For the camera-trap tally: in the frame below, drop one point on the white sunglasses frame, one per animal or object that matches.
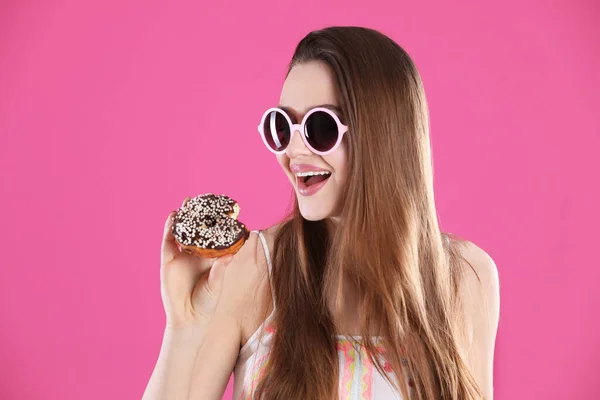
(342, 129)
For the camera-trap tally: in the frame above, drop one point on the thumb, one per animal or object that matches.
(216, 275)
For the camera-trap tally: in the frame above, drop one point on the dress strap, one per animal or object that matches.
(269, 262)
(266, 249)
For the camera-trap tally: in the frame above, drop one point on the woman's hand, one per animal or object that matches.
(190, 285)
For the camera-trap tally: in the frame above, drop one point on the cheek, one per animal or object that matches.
(283, 161)
(339, 162)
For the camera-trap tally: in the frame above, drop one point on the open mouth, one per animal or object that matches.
(312, 178)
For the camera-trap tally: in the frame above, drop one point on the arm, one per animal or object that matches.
(213, 364)
(218, 353)
(197, 364)
(481, 299)
(173, 371)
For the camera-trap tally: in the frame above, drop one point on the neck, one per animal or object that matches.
(332, 224)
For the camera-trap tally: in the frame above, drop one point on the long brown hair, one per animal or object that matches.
(388, 240)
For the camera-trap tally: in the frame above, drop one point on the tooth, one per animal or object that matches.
(312, 173)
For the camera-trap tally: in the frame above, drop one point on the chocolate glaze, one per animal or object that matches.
(205, 221)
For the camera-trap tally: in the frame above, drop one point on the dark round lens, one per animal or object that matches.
(321, 131)
(277, 131)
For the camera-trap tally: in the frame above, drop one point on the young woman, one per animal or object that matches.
(357, 295)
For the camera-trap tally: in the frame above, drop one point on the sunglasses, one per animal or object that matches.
(321, 130)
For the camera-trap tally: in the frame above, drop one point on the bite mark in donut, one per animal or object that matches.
(207, 226)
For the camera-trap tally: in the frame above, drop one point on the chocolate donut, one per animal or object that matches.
(207, 226)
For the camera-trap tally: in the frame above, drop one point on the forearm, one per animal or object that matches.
(172, 375)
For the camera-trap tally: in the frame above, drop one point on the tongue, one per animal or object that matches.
(315, 179)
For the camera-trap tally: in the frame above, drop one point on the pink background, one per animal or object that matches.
(111, 112)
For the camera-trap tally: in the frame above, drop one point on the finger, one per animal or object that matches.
(169, 246)
(205, 264)
(185, 202)
(217, 274)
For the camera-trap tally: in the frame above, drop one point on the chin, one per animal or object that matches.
(316, 211)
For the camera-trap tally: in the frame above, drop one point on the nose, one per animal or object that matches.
(296, 147)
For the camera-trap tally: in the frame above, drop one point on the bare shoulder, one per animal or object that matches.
(247, 281)
(481, 271)
(481, 300)
(482, 284)
(242, 275)
(254, 252)
(271, 232)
